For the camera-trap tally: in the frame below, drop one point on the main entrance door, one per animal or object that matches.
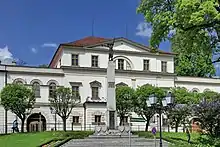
(36, 122)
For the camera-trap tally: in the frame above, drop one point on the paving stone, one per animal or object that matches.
(113, 142)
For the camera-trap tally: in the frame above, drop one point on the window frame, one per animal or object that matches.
(96, 92)
(52, 90)
(94, 61)
(146, 64)
(75, 118)
(36, 90)
(98, 119)
(121, 64)
(163, 66)
(75, 59)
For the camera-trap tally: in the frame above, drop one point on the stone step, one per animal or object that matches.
(112, 136)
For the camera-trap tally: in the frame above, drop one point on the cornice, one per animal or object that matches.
(104, 70)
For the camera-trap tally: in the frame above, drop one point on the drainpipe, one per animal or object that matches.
(6, 111)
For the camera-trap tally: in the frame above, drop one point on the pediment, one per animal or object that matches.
(123, 44)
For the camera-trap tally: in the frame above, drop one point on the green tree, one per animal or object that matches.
(178, 115)
(124, 97)
(140, 106)
(197, 62)
(195, 29)
(19, 100)
(63, 101)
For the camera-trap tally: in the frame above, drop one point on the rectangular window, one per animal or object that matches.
(75, 90)
(75, 59)
(121, 64)
(94, 61)
(75, 119)
(163, 66)
(97, 118)
(95, 92)
(146, 64)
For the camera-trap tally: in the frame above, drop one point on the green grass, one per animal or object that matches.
(175, 139)
(37, 139)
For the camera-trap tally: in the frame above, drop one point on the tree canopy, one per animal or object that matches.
(19, 100)
(140, 106)
(63, 101)
(192, 26)
(124, 97)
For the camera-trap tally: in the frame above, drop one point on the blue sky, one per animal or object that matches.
(31, 29)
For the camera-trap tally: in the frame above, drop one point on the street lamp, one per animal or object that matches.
(166, 102)
(53, 111)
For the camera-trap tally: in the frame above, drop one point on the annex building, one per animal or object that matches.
(82, 65)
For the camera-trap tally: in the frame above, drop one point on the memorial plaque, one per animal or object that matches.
(111, 119)
(111, 84)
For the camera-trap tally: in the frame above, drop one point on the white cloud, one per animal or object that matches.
(34, 50)
(49, 45)
(6, 56)
(144, 29)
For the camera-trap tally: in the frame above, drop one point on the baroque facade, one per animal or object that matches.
(82, 66)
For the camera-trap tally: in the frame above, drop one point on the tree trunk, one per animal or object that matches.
(147, 124)
(22, 125)
(64, 124)
(121, 121)
(176, 126)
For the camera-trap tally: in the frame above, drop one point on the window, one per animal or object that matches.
(75, 90)
(95, 92)
(36, 89)
(97, 118)
(75, 59)
(52, 88)
(163, 66)
(94, 61)
(75, 119)
(146, 64)
(121, 64)
(19, 82)
(128, 66)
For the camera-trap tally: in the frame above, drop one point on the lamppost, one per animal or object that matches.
(166, 103)
(53, 111)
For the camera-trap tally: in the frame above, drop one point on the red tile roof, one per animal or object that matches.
(88, 41)
(91, 40)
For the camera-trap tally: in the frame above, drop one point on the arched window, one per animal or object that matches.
(36, 89)
(195, 90)
(52, 88)
(19, 81)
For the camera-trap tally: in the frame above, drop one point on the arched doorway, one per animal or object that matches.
(36, 122)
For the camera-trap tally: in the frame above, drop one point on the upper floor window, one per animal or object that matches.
(52, 88)
(75, 59)
(94, 61)
(75, 90)
(146, 64)
(163, 66)
(36, 89)
(121, 64)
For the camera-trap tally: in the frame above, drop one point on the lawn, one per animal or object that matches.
(37, 139)
(176, 139)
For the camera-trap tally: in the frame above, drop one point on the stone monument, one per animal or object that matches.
(111, 102)
(111, 129)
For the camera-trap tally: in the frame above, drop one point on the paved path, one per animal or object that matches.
(113, 142)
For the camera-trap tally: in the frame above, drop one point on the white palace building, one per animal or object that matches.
(82, 65)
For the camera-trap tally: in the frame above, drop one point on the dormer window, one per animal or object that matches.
(75, 59)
